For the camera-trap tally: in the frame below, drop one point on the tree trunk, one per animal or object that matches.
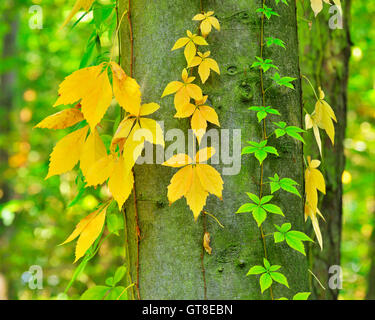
(7, 81)
(170, 248)
(325, 54)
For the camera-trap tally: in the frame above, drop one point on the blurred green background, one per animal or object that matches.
(34, 213)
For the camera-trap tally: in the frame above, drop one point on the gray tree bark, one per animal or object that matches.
(170, 247)
(325, 54)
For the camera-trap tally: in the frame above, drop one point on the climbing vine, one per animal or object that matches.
(260, 205)
(196, 180)
(89, 92)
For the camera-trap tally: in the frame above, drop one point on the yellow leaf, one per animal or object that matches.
(215, 23)
(122, 132)
(317, 5)
(205, 27)
(210, 179)
(180, 183)
(185, 111)
(190, 51)
(180, 43)
(154, 128)
(194, 182)
(133, 146)
(196, 195)
(205, 65)
(149, 108)
(310, 122)
(324, 117)
(178, 160)
(209, 114)
(200, 41)
(207, 22)
(90, 233)
(126, 90)
(206, 243)
(93, 150)
(100, 171)
(194, 91)
(80, 4)
(172, 87)
(62, 119)
(67, 152)
(91, 86)
(80, 226)
(314, 181)
(196, 61)
(315, 223)
(181, 98)
(120, 182)
(204, 154)
(199, 17)
(198, 125)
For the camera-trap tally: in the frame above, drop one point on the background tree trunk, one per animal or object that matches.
(325, 57)
(170, 265)
(7, 82)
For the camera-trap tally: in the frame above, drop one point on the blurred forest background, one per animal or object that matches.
(37, 215)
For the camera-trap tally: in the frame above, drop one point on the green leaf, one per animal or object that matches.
(261, 155)
(253, 197)
(272, 208)
(247, 207)
(269, 149)
(275, 41)
(294, 240)
(265, 281)
(279, 237)
(285, 227)
(259, 215)
(117, 292)
(265, 199)
(119, 274)
(299, 235)
(301, 296)
(114, 223)
(283, 81)
(109, 281)
(256, 270)
(266, 263)
(275, 267)
(280, 278)
(261, 115)
(295, 244)
(95, 293)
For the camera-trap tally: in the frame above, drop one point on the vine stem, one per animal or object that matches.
(136, 216)
(204, 213)
(264, 133)
(202, 260)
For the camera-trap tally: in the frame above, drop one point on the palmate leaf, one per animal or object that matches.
(262, 112)
(260, 150)
(293, 238)
(259, 208)
(286, 184)
(275, 41)
(283, 81)
(264, 64)
(268, 12)
(268, 275)
(291, 131)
